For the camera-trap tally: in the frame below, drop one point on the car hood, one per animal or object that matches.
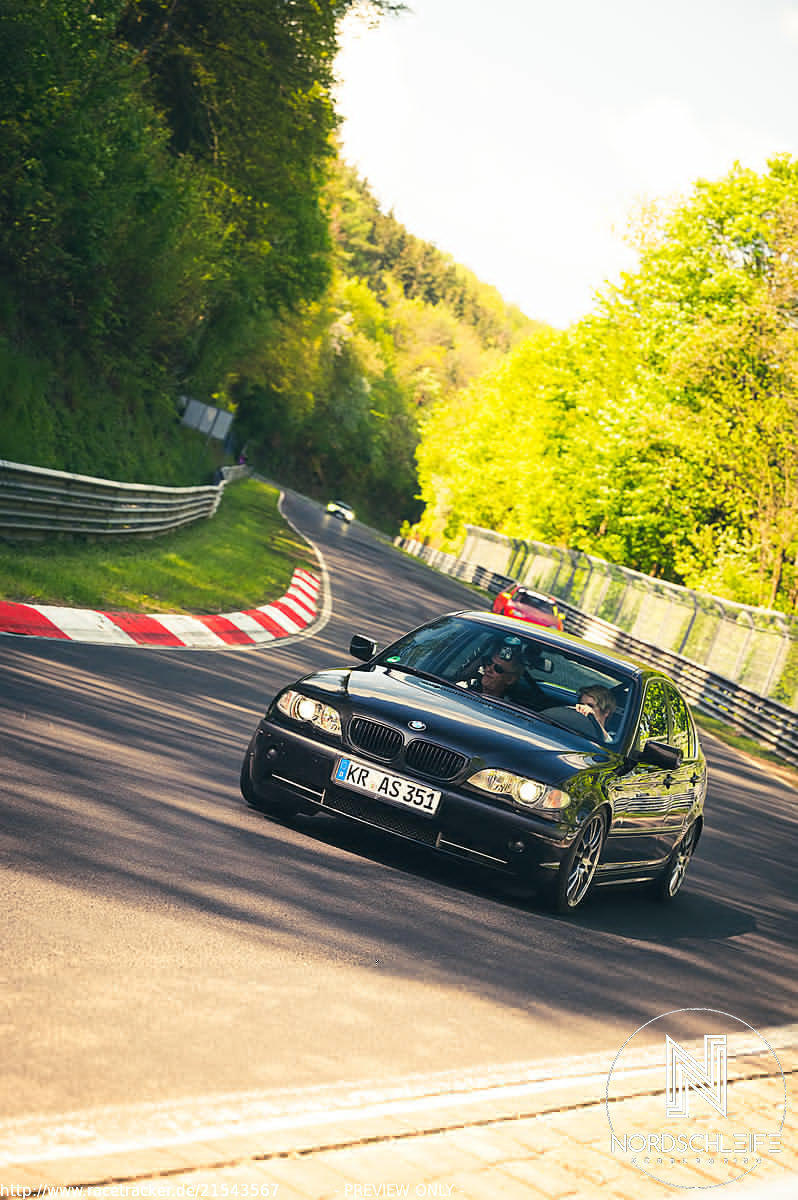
(490, 733)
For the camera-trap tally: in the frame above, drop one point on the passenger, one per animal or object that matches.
(598, 702)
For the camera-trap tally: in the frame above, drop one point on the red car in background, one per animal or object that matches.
(518, 601)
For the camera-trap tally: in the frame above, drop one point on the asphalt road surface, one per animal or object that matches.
(162, 941)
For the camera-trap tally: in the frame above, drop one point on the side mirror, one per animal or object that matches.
(362, 647)
(660, 754)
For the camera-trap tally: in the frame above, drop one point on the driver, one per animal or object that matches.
(501, 670)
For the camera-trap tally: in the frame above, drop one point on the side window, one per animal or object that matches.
(561, 676)
(654, 717)
(681, 725)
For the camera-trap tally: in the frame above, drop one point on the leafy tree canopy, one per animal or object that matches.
(661, 432)
(335, 398)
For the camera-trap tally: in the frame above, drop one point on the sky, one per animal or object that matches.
(521, 136)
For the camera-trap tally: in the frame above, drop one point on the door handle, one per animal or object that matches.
(668, 780)
(694, 779)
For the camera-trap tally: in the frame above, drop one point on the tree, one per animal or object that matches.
(716, 299)
(661, 431)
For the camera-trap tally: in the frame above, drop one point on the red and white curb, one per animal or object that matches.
(286, 617)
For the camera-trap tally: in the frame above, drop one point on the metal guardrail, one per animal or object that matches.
(754, 646)
(35, 500)
(767, 722)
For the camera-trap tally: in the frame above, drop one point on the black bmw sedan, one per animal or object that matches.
(526, 751)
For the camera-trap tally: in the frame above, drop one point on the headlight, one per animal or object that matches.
(526, 792)
(313, 712)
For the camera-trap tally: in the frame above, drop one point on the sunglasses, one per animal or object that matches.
(500, 670)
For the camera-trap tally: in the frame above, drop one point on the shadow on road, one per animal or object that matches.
(120, 784)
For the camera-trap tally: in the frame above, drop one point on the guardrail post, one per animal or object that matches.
(740, 663)
(716, 634)
(561, 555)
(622, 600)
(589, 572)
(518, 559)
(690, 625)
(775, 660)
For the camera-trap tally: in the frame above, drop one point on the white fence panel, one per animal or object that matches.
(771, 724)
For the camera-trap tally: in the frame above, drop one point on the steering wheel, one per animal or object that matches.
(569, 718)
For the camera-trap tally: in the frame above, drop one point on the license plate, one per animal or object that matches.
(365, 778)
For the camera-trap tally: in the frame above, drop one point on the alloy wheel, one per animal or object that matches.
(577, 871)
(680, 862)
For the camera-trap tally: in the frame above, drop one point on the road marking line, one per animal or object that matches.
(125, 1129)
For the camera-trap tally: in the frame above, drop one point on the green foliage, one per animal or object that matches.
(103, 232)
(786, 690)
(174, 219)
(160, 202)
(241, 557)
(661, 432)
(328, 413)
(129, 438)
(374, 246)
(245, 89)
(720, 291)
(333, 399)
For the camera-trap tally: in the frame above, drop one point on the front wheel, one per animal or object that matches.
(669, 883)
(579, 866)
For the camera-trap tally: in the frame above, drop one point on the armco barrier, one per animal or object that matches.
(33, 500)
(765, 721)
(754, 646)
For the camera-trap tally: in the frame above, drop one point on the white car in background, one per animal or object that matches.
(341, 510)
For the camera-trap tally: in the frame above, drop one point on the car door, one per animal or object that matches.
(640, 831)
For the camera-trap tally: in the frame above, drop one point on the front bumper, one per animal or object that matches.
(286, 766)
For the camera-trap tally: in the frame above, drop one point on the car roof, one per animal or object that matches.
(541, 634)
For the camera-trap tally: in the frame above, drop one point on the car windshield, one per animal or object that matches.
(544, 679)
(522, 597)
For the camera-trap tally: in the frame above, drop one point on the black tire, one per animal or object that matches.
(667, 887)
(575, 876)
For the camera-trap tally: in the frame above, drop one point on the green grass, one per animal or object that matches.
(241, 557)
